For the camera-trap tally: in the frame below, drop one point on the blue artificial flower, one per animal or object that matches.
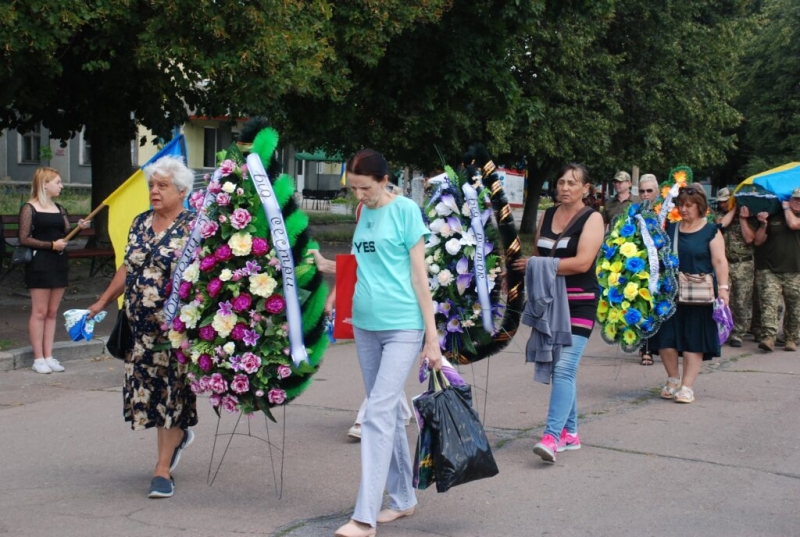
(651, 222)
(622, 281)
(627, 230)
(662, 308)
(634, 264)
(648, 324)
(610, 251)
(633, 209)
(615, 295)
(633, 316)
(658, 240)
(666, 285)
(671, 261)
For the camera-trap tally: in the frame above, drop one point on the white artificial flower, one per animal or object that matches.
(436, 225)
(433, 283)
(223, 324)
(443, 209)
(429, 260)
(445, 277)
(262, 284)
(225, 275)
(437, 255)
(468, 238)
(176, 338)
(228, 187)
(432, 213)
(192, 272)
(433, 240)
(190, 314)
(453, 246)
(433, 268)
(229, 347)
(241, 243)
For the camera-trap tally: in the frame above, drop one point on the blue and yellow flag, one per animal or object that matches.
(132, 198)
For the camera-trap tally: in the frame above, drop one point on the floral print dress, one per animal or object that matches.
(156, 392)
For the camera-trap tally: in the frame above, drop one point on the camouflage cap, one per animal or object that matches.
(796, 192)
(723, 194)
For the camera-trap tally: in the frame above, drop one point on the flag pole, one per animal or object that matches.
(89, 217)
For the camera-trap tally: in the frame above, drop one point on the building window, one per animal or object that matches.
(30, 144)
(86, 150)
(211, 145)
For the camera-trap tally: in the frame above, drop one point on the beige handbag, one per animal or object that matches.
(693, 289)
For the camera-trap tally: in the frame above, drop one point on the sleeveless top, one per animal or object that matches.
(582, 289)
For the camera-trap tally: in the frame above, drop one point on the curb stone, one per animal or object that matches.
(22, 357)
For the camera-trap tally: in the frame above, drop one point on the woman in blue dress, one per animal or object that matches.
(692, 332)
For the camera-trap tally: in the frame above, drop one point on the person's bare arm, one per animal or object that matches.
(748, 232)
(761, 233)
(588, 245)
(792, 220)
(720, 264)
(419, 281)
(112, 292)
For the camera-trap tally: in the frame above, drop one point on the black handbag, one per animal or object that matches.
(120, 342)
(22, 255)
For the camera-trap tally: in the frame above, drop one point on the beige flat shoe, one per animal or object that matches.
(685, 395)
(390, 515)
(355, 529)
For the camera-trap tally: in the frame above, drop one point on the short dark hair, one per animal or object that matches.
(368, 162)
(693, 193)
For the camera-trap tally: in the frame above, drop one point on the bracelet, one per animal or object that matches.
(724, 286)
(52, 245)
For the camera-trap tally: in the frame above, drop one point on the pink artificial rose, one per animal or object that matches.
(182, 359)
(223, 253)
(240, 218)
(284, 371)
(242, 302)
(196, 388)
(237, 334)
(229, 403)
(208, 333)
(222, 219)
(214, 287)
(260, 246)
(178, 325)
(226, 167)
(250, 363)
(259, 393)
(207, 263)
(205, 363)
(276, 396)
(240, 384)
(217, 383)
(196, 200)
(209, 229)
(184, 289)
(275, 304)
(215, 187)
(223, 199)
(215, 400)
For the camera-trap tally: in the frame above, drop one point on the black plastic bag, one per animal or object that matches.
(461, 451)
(120, 342)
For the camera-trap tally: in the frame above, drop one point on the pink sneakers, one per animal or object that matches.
(568, 441)
(546, 448)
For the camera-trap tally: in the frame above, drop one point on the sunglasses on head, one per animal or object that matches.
(689, 190)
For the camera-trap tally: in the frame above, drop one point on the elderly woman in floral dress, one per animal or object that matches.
(156, 392)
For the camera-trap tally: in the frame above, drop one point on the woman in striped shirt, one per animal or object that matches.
(577, 249)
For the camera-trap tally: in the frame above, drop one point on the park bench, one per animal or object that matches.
(102, 259)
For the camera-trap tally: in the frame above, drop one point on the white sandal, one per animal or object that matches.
(685, 395)
(668, 392)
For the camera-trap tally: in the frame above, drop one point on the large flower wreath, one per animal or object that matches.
(466, 254)
(636, 271)
(234, 325)
(680, 176)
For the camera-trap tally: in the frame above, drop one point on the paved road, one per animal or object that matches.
(727, 465)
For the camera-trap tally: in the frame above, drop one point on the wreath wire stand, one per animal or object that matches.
(277, 477)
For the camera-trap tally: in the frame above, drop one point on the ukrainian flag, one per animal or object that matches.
(132, 198)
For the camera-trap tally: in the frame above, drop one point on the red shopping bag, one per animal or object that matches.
(345, 288)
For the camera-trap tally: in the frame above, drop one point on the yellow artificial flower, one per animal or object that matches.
(606, 265)
(631, 291)
(602, 306)
(628, 249)
(616, 266)
(613, 278)
(625, 305)
(241, 243)
(619, 241)
(644, 292)
(613, 315)
(262, 284)
(643, 275)
(629, 337)
(610, 331)
(602, 316)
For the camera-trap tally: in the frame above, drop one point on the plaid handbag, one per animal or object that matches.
(693, 289)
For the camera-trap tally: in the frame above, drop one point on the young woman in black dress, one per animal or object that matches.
(43, 224)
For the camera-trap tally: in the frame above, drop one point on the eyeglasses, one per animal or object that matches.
(648, 190)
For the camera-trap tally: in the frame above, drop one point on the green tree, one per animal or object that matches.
(108, 65)
(770, 101)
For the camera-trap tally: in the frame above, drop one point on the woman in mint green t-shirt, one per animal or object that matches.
(393, 324)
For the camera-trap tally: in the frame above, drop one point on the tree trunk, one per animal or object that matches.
(111, 138)
(536, 178)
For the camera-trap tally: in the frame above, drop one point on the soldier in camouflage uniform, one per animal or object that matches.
(739, 232)
(777, 262)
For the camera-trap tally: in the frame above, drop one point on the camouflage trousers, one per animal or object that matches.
(741, 304)
(771, 287)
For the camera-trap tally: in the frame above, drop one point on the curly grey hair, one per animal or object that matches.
(169, 166)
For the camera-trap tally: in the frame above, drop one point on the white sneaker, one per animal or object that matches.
(354, 432)
(40, 366)
(54, 365)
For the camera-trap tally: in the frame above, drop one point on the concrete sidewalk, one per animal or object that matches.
(727, 465)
